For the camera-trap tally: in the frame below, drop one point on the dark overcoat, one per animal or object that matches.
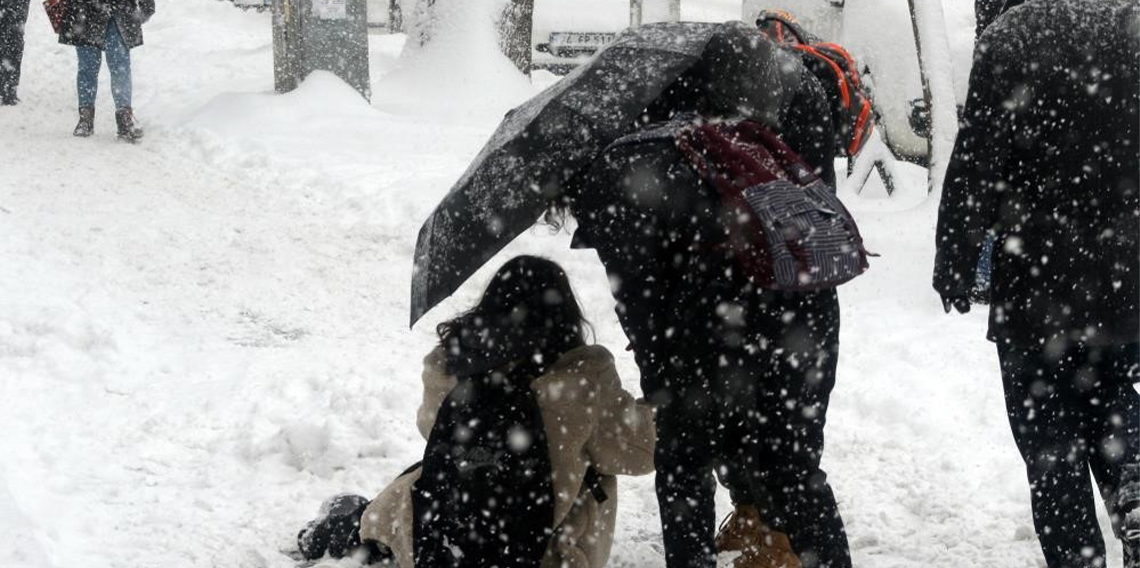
(655, 232)
(1047, 160)
(85, 21)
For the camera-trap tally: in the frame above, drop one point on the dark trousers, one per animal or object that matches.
(741, 377)
(13, 16)
(756, 413)
(1072, 410)
(685, 454)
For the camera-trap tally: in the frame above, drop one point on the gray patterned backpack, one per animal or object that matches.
(789, 231)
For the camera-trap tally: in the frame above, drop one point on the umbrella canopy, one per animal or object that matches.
(543, 143)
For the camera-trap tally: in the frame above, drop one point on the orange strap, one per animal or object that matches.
(846, 59)
(839, 76)
(863, 128)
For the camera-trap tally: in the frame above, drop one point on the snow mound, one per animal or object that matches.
(17, 535)
(460, 69)
(321, 100)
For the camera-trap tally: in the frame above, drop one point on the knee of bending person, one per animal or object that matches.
(793, 477)
(1062, 459)
(788, 456)
(683, 476)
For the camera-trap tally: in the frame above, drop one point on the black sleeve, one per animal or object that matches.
(974, 178)
(809, 130)
(147, 9)
(985, 12)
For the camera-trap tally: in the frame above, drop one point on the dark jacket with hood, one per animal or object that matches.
(85, 21)
(1047, 160)
(654, 225)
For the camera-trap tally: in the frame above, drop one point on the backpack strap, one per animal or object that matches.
(413, 467)
(783, 27)
(863, 128)
(593, 483)
(834, 60)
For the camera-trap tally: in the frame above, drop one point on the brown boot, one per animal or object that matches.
(128, 130)
(759, 545)
(86, 124)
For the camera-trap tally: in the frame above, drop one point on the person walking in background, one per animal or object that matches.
(112, 28)
(1047, 163)
(13, 16)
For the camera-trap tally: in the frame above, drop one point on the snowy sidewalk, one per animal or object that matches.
(203, 336)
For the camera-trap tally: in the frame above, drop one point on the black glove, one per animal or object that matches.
(335, 529)
(960, 303)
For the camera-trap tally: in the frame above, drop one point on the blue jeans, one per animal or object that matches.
(118, 62)
(983, 279)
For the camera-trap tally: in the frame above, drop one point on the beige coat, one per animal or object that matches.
(589, 420)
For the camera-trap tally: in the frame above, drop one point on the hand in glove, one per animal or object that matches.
(960, 303)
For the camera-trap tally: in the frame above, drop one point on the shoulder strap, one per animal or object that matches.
(782, 28)
(593, 483)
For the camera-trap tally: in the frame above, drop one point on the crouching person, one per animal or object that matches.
(527, 427)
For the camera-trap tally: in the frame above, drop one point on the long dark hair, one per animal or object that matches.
(528, 315)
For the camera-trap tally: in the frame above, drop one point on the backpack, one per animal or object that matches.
(836, 70)
(485, 495)
(785, 228)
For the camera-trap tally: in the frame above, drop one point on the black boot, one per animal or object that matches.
(128, 130)
(86, 122)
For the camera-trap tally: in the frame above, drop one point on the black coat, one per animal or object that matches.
(85, 21)
(654, 225)
(1047, 160)
(985, 12)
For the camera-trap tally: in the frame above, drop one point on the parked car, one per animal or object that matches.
(258, 5)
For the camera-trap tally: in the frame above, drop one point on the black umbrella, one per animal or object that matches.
(542, 144)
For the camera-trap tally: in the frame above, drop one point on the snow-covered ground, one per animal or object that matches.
(203, 336)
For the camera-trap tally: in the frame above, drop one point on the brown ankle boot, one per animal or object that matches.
(86, 124)
(128, 130)
(759, 545)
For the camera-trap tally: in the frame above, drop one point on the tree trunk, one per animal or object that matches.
(395, 17)
(515, 29)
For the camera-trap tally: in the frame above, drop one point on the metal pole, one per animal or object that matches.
(926, 96)
(929, 26)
